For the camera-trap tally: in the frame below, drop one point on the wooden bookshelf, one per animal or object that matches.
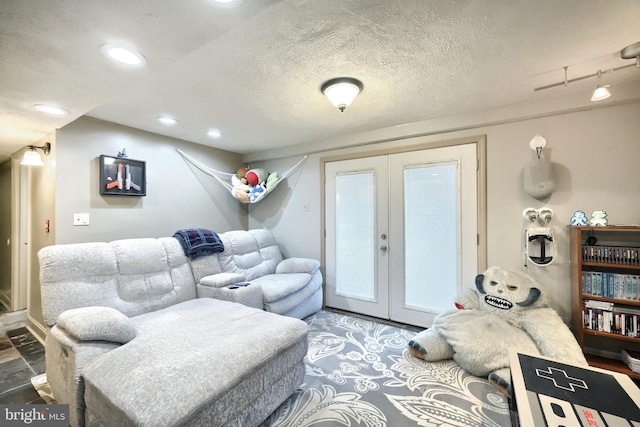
(623, 236)
(611, 365)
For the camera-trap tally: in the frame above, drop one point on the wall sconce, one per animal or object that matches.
(31, 156)
(341, 91)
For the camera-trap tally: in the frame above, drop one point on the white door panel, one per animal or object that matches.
(433, 222)
(401, 232)
(356, 215)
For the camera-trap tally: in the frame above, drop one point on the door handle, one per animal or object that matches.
(383, 248)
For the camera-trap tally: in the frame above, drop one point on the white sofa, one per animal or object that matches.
(131, 343)
(292, 286)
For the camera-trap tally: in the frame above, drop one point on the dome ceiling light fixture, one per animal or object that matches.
(341, 91)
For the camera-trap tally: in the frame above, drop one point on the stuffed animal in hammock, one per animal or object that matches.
(507, 310)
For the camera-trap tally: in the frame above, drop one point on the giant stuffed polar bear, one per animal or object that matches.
(507, 310)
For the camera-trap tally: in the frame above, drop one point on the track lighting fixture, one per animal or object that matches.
(601, 92)
(630, 52)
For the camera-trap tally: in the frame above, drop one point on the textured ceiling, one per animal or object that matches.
(255, 71)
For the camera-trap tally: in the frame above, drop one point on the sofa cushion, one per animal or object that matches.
(227, 370)
(281, 293)
(221, 279)
(64, 279)
(150, 269)
(253, 253)
(206, 265)
(297, 265)
(97, 324)
(277, 286)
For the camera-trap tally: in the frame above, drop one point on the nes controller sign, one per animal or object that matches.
(549, 393)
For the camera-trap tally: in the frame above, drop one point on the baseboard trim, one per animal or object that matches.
(39, 331)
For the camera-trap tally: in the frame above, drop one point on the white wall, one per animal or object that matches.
(5, 234)
(176, 198)
(594, 153)
(40, 195)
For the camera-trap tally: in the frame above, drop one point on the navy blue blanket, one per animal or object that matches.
(198, 241)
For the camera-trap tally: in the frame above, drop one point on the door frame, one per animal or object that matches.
(416, 144)
(19, 234)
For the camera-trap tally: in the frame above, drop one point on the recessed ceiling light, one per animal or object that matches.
(214, 133)
(123, 55)
(226, 3)
(167, 121)
(51, 109)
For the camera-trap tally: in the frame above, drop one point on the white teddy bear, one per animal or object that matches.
(507, 310)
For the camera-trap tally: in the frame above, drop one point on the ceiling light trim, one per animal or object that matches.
(167, 120)
(123, 55)
(226, 4)
(214, 133)
(53, 110)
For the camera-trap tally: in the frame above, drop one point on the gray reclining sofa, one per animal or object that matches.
(138, 337)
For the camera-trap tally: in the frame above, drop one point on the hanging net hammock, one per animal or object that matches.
(252, 187)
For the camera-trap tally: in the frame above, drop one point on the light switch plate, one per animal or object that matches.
(81, 218)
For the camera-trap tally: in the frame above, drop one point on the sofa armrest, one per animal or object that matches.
(221, 280)
(297, 265)
(97, 324)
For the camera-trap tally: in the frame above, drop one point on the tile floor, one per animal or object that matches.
(21, 358)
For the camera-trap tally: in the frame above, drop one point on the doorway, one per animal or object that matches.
(402, 231)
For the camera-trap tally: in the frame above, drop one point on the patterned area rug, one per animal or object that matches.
(360, 373)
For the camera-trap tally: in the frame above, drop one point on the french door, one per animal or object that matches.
(401, 232)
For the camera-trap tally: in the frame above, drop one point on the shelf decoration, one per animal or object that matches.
(539, 244)
(598, 219)
(579, 218)
(539, 182)
(122, 176)
(246, 185)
